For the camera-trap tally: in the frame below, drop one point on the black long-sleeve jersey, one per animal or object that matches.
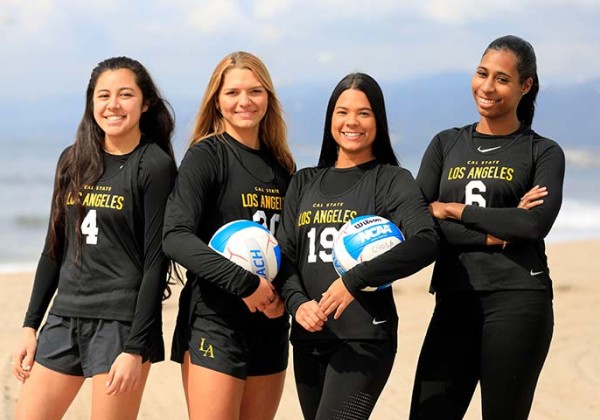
(220, 180)
(490, 174)
(120, 272)
(318, 203)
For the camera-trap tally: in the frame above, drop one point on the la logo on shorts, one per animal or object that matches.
(208, 351)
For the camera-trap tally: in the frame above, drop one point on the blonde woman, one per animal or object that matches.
(232, 331)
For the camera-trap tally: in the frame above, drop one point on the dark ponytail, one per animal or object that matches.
(527, 67)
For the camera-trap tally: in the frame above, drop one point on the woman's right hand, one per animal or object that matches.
(262, 296)
(275, 309)
(310, 316)
(22, 357)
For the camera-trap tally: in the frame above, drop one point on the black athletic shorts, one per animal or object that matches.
(181, 335)
(254, 348)
(85, 347)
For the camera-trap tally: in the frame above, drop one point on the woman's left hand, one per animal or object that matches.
(336, 298)
(533, 198)
(125, 374)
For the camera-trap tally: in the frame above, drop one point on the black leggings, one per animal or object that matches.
(341, 379)
(498, 338)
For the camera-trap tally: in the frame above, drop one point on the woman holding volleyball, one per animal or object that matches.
(232, 333)
(103, 258)
(496, 188)
(345, 339)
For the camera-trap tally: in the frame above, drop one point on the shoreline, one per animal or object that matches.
(567, 387)
(29, 267)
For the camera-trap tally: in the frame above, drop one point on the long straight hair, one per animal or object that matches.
(83, 163)
(272, 131)
(382, 145)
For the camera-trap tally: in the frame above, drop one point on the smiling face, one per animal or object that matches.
(497, 90)
(242, 101)
(118, 107)
(353, 128)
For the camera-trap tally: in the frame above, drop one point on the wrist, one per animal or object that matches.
(133, 352)
(455, 210)
(352, 282)
(293, 302)
(253, 283)
(28, 331)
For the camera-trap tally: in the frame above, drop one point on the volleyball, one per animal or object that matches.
(362, 239)
(250, 245)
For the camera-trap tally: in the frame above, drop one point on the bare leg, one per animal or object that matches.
(212, 395)
(261, 396)
(118, 407)
(185, 374)
(46, 394)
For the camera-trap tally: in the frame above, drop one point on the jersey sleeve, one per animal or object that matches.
(292, 291)
(430, 171)
(400, 200)
(198, 179)
(514, 224)
(428, 178)
(156, 178)
(44, 286)
(47, 274)
(455, 233)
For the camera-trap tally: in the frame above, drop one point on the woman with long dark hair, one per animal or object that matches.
(345, 338)
(496, 188)
(103, 256)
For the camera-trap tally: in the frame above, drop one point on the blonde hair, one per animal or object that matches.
(272, 129)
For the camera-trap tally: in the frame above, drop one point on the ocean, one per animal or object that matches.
(27, 170)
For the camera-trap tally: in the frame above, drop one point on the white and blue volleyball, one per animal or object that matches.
(250, 245)
(362, 239)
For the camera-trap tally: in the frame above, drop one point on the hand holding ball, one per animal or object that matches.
(362, 239)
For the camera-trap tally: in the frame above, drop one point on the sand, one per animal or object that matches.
(569, 387)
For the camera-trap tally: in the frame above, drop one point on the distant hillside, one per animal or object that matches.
(569, 114)
(417, 109)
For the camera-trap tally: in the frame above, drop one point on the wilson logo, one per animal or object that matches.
(365, 222)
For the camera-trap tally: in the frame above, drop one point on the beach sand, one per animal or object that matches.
(568, 387)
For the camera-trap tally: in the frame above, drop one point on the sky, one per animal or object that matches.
(48, 47)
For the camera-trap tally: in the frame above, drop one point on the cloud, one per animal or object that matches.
(468, 11)
(31, 19)
(54, 44)
(266, 9)
(216, 17)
